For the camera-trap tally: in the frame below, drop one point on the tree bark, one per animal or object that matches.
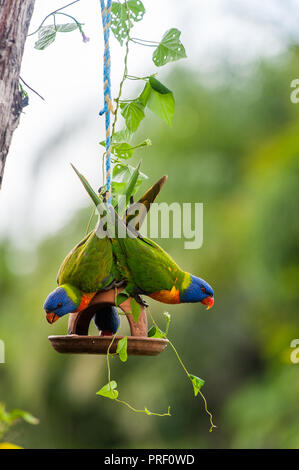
(15, 16)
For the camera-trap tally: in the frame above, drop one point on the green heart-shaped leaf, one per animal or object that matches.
(170, 48)
(122, 14)
(133, 113)
(121, 297)
(159, 99)
(197, 383)
(109, 390)
(122, 349)
(155, 332)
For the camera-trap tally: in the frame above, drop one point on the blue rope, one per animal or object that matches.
(106, 21)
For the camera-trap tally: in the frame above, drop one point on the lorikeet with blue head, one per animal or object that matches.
(152, 272)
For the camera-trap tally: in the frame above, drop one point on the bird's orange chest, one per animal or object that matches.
(167, 296)
(86, 298)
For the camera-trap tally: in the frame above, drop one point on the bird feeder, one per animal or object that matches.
(78, 341)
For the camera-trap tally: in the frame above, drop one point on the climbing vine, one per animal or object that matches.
(110, 389)
(153, 96)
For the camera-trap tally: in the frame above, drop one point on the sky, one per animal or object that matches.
(40, 190)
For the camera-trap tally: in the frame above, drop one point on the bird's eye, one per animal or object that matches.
(59, 305)
(202, 289)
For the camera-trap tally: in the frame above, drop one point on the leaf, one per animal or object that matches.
(20, 414)
(168, 318)
(158, 86)
(135, 310)
(66, 28)
(159, 99)
(130, 189)
(120, 20)
(122, 349)
(121, 297)
(45, 30)
(162, 105)
(170, 48)
(109, 390)
(121, 172)
(47, 35)
(197, 383)
(117, 191)
(123, 150)
(137, 10)
(121, 176)
(121, 136)
(155, 332)
(133, 113)
(145, 94)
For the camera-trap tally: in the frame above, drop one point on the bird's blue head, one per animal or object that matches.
(198, 291)
(65, 299)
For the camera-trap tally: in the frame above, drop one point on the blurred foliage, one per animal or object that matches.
(8, 419)
(233, 146)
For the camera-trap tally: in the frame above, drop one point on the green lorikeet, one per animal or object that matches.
(151, 271)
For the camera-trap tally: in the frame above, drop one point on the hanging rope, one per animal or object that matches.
(108, 108)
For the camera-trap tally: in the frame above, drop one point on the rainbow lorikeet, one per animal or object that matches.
(151, 271)
(89, 268)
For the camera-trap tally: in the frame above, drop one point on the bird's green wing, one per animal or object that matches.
(151, 268)
(89, 266)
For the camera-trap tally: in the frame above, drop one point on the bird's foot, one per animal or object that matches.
(114, 284)
(106, 333)
(119, 283)
(141, 301)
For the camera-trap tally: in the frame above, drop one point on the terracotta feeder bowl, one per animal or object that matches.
(77, 341)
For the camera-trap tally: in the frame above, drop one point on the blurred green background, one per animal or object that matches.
(234, 147)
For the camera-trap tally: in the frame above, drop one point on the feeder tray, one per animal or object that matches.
(77, 341)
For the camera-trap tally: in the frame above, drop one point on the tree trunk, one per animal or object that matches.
(15, 16)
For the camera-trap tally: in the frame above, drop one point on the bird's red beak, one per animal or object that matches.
(209, 301)
(52, 317)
